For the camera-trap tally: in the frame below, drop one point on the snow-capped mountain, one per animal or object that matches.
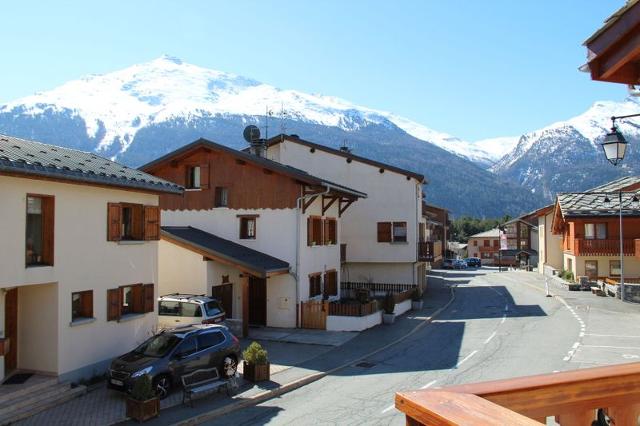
(566, 156)
(144, 111)
(117, 105)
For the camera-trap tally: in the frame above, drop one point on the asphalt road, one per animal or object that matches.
(500, 325)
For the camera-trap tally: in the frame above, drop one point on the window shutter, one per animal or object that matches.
(114, 221)
(137, 298)
(333, 231)
(86, 304)
(149, 298)
(243, 227)
(204, 176)
(218, 197)
(317, 230)
(327, 236)
(151, 223)
(384, 232)
(113, 304)
(330, 284)
(48, 222)
(309, 231)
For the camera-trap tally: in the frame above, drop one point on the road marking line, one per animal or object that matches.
(490, 337)
(611, 347)
(566, 358)
(504, 318)
(612, 335)
(581, 334)
(466, 358)
(575, 345)
(428, 385)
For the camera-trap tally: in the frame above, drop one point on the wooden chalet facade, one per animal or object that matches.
(434, 230)
(255, 212)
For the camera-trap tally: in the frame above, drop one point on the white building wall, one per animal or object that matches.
(83, 260)
(549, 245)
(180, 270)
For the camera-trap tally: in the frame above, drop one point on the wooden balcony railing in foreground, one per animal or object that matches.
(572, 397)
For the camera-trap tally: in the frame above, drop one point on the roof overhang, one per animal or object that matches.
(613, 52)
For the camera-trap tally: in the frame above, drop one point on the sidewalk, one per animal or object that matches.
(363, 345)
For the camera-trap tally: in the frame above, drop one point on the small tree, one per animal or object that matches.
(416, 296)
(255, 354)
(143, 389)
(389, 303)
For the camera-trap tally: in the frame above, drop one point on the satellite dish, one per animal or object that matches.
(251, 133)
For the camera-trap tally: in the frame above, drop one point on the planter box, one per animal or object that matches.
(256, 373)
(416, 305)
(388, 318)
(143, 410)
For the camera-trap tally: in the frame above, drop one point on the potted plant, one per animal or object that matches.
(388, 305)
(143, 404)
(416, 299)
(256, 363)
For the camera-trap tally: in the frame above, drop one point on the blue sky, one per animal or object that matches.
(475, 69)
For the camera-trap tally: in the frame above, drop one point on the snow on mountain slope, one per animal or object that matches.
(122, 102)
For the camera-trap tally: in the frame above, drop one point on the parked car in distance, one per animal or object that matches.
(473, 262)
(176, 310)
(459, 264)
(171, 354)
(448, 264)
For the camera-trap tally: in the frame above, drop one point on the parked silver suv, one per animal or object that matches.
(175, 310)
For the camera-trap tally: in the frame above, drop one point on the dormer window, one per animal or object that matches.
(193, 177)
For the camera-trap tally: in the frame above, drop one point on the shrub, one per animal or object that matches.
(389, 303)
(255, 354)
(143, 389)
(417, 294)
(362, 295)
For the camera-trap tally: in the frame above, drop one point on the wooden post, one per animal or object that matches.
(577, 418)
(244, 285)
(625, 414)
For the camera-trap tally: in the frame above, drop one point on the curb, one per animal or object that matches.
(266, 395)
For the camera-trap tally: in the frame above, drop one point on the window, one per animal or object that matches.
(191, 310)
(206, 340)
(193, 177)
(248, 227)
(188, 347)
(132, 222)
(169, 308)
(213, 308)
(39, 230)
(496, 243)
(389, 232)
(595, 231)
(614, 268)
(315, 285)
(591, 269)
(131, 299)
(81, 305)
(221, 197)
(314, 231)
(486, 243)
(475, 243)
(330, 283)
(330, 231)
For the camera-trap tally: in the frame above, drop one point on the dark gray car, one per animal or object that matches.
(169, 355)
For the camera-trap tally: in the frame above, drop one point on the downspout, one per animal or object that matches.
(415, 264)
(296, 276)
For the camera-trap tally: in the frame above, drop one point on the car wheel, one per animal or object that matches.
(229, 366)
(162, 386)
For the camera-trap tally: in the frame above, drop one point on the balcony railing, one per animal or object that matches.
(573, 397)
(603, 247)
(425, 251)
(488, 249)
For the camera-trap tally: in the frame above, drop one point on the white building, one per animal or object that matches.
(381, 233)
(78, 287)
(261, 236)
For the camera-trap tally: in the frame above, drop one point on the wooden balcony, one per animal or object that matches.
(584, 247)
(573, 397)
(425, 251)
(488, 249)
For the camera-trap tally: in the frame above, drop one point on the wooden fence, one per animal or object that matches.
(377, 287)
(314, 314)
(405, 295)
(353, 309)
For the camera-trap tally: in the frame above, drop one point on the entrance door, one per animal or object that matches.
(11, 329)
(591, 269)
(257, 301)
(224, 294)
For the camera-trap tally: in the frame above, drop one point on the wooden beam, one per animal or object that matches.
(327, 206)
(307, 203)
(244, 285)
(344, 205)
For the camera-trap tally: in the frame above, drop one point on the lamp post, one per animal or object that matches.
(614, 147)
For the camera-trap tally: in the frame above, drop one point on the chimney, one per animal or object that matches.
(258, 147)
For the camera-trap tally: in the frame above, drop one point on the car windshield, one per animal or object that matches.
(213, 308)
(158, 346)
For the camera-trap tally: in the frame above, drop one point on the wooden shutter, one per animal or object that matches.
(113, 304)
(309, 231)
(204, 176)
(384, 232)
(244, 231)
(333, 231)
(317, 230)
(151, 223)
(137, 299)
(114, 221)
(149, 298)
(330, 284)
(138, 222)
(218, 197)
(86, 304)
(325, 226)
(48, 224)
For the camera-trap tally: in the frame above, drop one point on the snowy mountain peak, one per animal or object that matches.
(115, 106)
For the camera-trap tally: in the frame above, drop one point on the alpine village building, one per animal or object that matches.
(261, 236)
(79, 263)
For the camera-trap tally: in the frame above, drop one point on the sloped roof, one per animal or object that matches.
(593, 204)
(282, 137)
(492, 233)
(617, 185)
(31, 158)
(260, 161)
(243, 257)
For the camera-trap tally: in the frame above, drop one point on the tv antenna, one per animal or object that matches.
(267, 113)
(283, 117)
